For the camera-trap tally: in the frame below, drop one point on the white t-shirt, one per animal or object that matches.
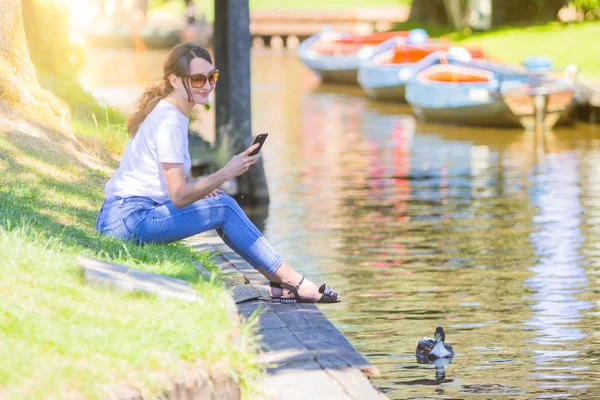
(162, 137)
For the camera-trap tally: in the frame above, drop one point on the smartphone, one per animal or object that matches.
(260, 139)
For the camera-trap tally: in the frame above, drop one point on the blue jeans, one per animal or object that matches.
(143, 220)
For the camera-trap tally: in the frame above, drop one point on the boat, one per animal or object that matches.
(384, 75)
(461, 90)
(336, 56)
(547, 97)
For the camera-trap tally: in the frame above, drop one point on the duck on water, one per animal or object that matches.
(434, 348)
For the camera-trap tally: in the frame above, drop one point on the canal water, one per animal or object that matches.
(492, 234)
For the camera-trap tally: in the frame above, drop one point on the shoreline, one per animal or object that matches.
(304, 354)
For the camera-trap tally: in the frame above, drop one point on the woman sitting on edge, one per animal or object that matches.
(149, 201)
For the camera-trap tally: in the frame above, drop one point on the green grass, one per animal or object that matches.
(60, 338)
(101, 134)
(564, 43)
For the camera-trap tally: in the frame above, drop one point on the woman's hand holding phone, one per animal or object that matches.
(241, 162)
(260, 140)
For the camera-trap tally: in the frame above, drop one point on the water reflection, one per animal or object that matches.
(440, 370)
(559, 276)
(491, 233)
(410, 248)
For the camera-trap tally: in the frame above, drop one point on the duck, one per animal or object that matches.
(434, 348)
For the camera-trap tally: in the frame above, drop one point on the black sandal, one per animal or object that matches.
(329, 295)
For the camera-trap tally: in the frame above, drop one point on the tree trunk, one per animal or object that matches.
(437, 12)
(454, 13)
(20, 92)
(515, 12)
(428, 11)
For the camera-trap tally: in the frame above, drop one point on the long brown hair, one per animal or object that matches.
(177, 63)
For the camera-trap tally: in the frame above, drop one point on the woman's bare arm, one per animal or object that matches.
(183, 193)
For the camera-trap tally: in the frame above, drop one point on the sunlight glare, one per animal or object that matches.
(81, 11)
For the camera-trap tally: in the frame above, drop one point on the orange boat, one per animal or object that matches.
(385, 74)
(336, 56)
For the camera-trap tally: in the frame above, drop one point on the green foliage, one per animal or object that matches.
(46, 26)
(57, 59)
(587, 5)
(589, 8)
(82, 103)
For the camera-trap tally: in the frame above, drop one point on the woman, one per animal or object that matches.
(149, 201)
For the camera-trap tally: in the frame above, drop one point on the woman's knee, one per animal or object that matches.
(221, 210)
(234, 211)
(229, 201)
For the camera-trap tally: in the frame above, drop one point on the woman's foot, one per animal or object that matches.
(276, 291)
(307, 290)
(287, 283)
(302, 292)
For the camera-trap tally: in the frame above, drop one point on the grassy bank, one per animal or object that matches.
(62, 339)
(564, 43)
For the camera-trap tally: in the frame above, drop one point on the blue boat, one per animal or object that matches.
(450, 87)
(384, 74)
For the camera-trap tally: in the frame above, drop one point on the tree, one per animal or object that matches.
(508, 12)
(428, 11)
(20, 93)
(504, 12)
(454, 13)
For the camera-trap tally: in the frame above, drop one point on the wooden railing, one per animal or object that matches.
(303, 23)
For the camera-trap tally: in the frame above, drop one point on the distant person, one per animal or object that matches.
(190, 12)
(194, 29)
(148, 199)
(142, 7)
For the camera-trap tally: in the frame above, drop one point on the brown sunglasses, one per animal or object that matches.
(199, 80)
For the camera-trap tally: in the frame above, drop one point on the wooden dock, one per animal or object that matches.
(588, 99)
(301, 24)
(163, 30)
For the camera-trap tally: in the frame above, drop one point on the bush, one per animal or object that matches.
(589, 9)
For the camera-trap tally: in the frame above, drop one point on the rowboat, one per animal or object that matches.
(546, 98)
(478, 92)
(384, 75)
(336, 56)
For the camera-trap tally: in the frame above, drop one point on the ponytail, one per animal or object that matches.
(146, 103)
